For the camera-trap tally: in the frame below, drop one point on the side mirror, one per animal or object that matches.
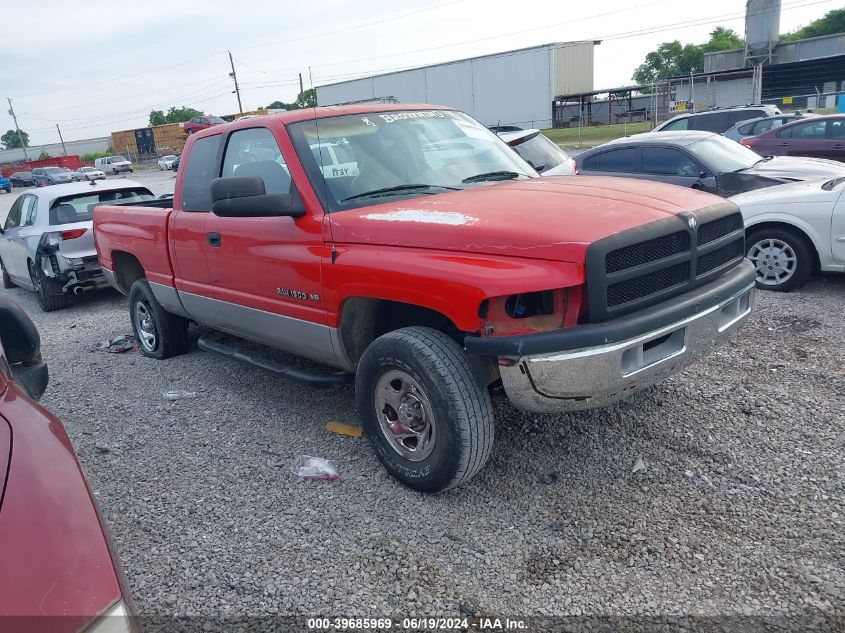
(22, 347)
(245, 197)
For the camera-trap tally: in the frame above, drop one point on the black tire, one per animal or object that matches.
(782, 240)
(461, 428)
(7, 281)
(169, 331)
(114, 172)
(47, 291)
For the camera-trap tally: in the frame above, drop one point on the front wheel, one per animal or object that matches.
(782, 257)
(159, 334)
(427, 418)
(7, 281)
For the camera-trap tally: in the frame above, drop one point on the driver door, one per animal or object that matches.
(266, 271)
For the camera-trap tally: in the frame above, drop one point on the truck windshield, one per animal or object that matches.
(400, 153)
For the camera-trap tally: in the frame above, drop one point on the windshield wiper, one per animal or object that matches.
(396, 190)
(492, 175)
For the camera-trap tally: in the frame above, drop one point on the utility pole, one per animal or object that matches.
(64, 149)
(20, 136)
(235, 79)
(301, 89)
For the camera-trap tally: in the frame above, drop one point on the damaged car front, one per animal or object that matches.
(50, 249)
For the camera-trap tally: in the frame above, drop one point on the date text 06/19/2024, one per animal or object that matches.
(416, 624)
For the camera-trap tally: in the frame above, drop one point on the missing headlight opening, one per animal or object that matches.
(530, 305)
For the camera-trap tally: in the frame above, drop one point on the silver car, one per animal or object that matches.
(47, 241)
(753, 127)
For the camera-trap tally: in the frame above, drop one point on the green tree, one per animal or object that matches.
(44, 156)
(305, 99)
(673, 58)
(174, 115)
(832, 22)
(13, 140)
(157, 117)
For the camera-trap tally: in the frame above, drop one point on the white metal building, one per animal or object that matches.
(513, 87)
(85, 146)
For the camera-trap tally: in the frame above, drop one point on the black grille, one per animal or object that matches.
(719, 257)
(625, 291)
(647, 252)
(718, 228)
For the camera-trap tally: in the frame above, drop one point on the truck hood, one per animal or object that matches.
(540, 218)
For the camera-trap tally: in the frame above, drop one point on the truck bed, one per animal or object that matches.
(135, 230)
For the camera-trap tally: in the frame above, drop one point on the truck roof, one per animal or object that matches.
(320, 112)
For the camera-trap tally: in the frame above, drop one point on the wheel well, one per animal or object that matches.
(127, 270)
(785, 226)
(364, 319)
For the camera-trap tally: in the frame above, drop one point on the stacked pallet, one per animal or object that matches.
(169, 138)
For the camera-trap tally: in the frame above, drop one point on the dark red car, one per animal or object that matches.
(57, 571)
(817, 137)
(201, 122)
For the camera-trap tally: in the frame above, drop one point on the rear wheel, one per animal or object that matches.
(782, 257)
(47, 291)
(428, 420)
(159, 334)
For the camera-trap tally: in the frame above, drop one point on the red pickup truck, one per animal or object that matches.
(410, 248)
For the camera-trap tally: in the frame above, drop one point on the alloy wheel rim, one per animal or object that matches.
(775, 260)
(405, 416)
(145, 327)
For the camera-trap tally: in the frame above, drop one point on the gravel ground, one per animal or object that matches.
(736, 508)
(739, 509)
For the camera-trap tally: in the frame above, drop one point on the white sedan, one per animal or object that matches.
(88, 173)
(166, 162)
(793, 230)
(47, 241)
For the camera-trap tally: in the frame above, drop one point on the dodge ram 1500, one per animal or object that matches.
(435, 267)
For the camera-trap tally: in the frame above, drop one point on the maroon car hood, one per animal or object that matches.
(54, 556)
(542, 218)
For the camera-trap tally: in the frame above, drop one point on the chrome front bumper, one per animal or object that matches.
(593, 377)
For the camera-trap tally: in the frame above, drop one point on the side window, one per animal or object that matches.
(14, 218)
(811, 129)
(747, 129)
(744, 115)
(254, 152)
(621, 160)
(29, 210)
(668, 161)
(712, 122)
(678, 124)
(786, 132)
(837, 129)
(591, 163)
(200, 170)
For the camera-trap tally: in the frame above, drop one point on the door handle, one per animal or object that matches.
(841, 238)
(783, 144)
(214, 239)
(838, 146)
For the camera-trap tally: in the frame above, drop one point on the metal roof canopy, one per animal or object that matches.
(585, 98)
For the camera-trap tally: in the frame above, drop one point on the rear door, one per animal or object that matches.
(837, 228)
(19, 255)
(836, 132)
(267, 270)
(7, 240)
(187, 224)
(808, 138)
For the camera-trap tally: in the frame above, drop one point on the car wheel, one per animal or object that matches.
(114, 171)
(782, 257)
(159, 334)
(427, 418)
(48, 292)
(7, 281)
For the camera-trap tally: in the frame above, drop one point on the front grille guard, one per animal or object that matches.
(625, 290)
